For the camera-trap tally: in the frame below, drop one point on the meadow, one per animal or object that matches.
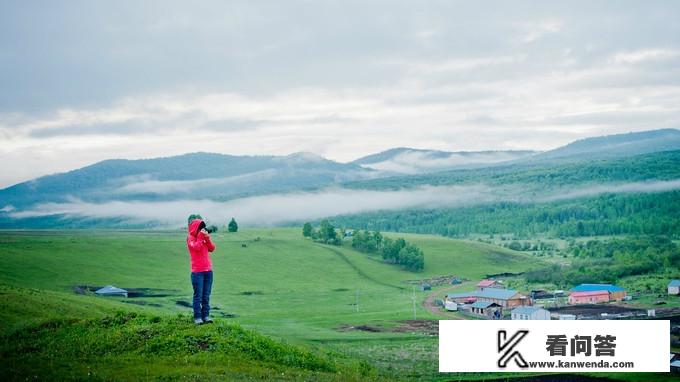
(286, 307)
(269, 280)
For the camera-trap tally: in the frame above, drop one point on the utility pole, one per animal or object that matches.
(414, 302)
(356, 302)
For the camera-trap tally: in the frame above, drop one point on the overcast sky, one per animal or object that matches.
(86, 81)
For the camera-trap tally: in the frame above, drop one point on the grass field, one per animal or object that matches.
(299, 293)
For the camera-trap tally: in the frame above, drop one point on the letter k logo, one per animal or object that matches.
(506, 348)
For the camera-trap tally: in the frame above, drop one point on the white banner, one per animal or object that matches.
(554, 346)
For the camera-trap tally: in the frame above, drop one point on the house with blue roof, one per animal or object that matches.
(674, 287)
(616, 293)
(111, 291)
(529, 313)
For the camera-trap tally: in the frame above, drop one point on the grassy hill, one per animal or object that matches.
(279, 284)
(55, 336)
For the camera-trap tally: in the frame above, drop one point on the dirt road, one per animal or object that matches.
(437, 310)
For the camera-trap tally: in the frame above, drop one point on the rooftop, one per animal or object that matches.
(110, 289)
(597, 287)
(526, 310)
(674, 283)
(483, 304)
(499, 294)
(486, 283)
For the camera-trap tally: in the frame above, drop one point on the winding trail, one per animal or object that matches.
(358, 270)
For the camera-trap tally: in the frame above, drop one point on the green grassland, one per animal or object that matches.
(285, 307)
(272, 281)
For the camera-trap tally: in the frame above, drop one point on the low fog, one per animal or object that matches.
(148, 185)
(416, 162)
(279, 208)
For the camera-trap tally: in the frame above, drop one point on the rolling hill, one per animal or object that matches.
(103, 194)
(616, 146)
(196, 175)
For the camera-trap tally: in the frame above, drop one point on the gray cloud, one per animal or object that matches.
(340, 78)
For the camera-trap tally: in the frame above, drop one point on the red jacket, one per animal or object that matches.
(200, 247)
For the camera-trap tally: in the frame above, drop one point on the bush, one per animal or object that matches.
(233, 226)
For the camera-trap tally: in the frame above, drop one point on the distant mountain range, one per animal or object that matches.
(219, 177)
(189, 176)
(616, 146)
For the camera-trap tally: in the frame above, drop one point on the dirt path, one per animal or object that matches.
(437, 310)
(357, 270)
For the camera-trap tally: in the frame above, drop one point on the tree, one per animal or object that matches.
(411, 258)
(212, 228)
(391, 249)
(307, 230)
(194, 216)
(233, 226)
(327, 233)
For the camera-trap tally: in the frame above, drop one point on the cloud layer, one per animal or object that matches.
(299, 206)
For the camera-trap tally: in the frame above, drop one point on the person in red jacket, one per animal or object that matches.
(200, 246)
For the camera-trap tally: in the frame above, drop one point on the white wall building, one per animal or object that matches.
(530, 313)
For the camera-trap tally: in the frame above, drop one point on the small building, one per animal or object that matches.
(486, 283)
(425, 286)
(595, 297)
(486, 309)
(111, 291)
(616, 293)
(529, 313)
(538, 294)
(506, 298)
(674, 287)
(451, 306)
(456, 281)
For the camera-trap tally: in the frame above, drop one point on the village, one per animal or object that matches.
(492, 300)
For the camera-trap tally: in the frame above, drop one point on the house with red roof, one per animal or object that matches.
(592, 297)
(595, 293)
(486, 283)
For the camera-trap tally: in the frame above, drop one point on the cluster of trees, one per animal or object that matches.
(326, 233)
(607, 261)
(396, 251)
(604, 215)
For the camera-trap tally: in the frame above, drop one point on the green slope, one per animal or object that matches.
(54, 336)
(279, 284)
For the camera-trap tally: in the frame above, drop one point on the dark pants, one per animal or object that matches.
(202, 283)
